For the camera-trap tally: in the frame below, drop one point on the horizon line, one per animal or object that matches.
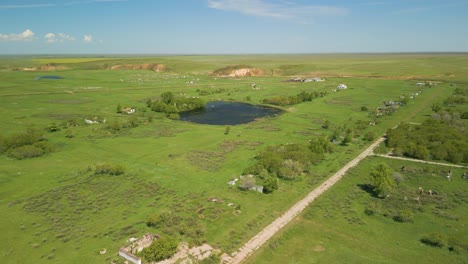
(231, 54)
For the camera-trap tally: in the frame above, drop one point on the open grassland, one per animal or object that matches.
(350, 223)
(57, 209)
(58, 60)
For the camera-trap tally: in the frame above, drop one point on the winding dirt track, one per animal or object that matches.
(262, 237)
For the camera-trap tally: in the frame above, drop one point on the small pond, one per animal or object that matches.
(53, 77)
(228, 113)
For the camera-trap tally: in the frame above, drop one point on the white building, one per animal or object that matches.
(341, 87)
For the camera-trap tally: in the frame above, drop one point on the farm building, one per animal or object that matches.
(342, 87)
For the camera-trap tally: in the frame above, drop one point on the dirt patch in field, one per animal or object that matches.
(238, 71)
(50, 67)
(45, 67)
(144, 66)
(318, 248)
(246, 72)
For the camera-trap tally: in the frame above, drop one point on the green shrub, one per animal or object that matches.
(24, 152)
(163, 219)
(160, 249)
(435, 240)
(110, 169)
(173, 116)
(404, 216)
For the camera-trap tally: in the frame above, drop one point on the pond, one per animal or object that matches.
(228, 113)
(53, 77)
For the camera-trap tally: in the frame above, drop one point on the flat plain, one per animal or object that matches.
(56, 209)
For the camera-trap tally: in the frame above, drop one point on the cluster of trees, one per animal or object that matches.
(172, 105)
(287, 161)
(25, 145)
(115, 126)
(432, 139)
(294, 99)
(162, 248)
(453, 106)
(441, 137)
(212, 91)
(459, 97)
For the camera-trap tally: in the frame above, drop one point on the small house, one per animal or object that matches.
(419, 84)
(341, 87)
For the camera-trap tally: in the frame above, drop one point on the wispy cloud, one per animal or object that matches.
(64, 36)
(412, 10)
(26, 35)
(60, 37)
(278, 10)
(24, 6)
(58, 4)
(374, 3)
(88, 38)
(50, 38)
(427, 8)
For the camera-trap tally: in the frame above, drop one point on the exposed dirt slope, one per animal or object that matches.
(238, 71)
(144, 66)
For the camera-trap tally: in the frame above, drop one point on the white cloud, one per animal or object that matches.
(26, 35)
(60, 37)
(279, 10)
(63, 37)
(88, 38)
(50, 38)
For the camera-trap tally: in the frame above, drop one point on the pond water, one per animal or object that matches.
(228, 113)
(53, 77)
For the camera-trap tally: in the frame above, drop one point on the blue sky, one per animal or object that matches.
(231, 26)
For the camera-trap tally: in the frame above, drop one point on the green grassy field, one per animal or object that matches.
(337, 227)
(56, 210)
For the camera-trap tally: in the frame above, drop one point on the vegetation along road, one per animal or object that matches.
(263, 236)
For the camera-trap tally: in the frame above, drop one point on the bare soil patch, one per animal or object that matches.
(238, 71)
(144, 66)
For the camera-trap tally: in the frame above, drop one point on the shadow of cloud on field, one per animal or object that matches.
(368, 188)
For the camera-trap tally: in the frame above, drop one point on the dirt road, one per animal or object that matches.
(262, 237)
(421, 161)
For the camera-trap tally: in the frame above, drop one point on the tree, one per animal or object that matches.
(246, 182)
(167, 97)
(370, 136)
(382, 179)
(326, 124)
(347, 139)
(269, 182)
(160, 249)
(149, 102)
(119, 109)
(436, 107)
(290, 169)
